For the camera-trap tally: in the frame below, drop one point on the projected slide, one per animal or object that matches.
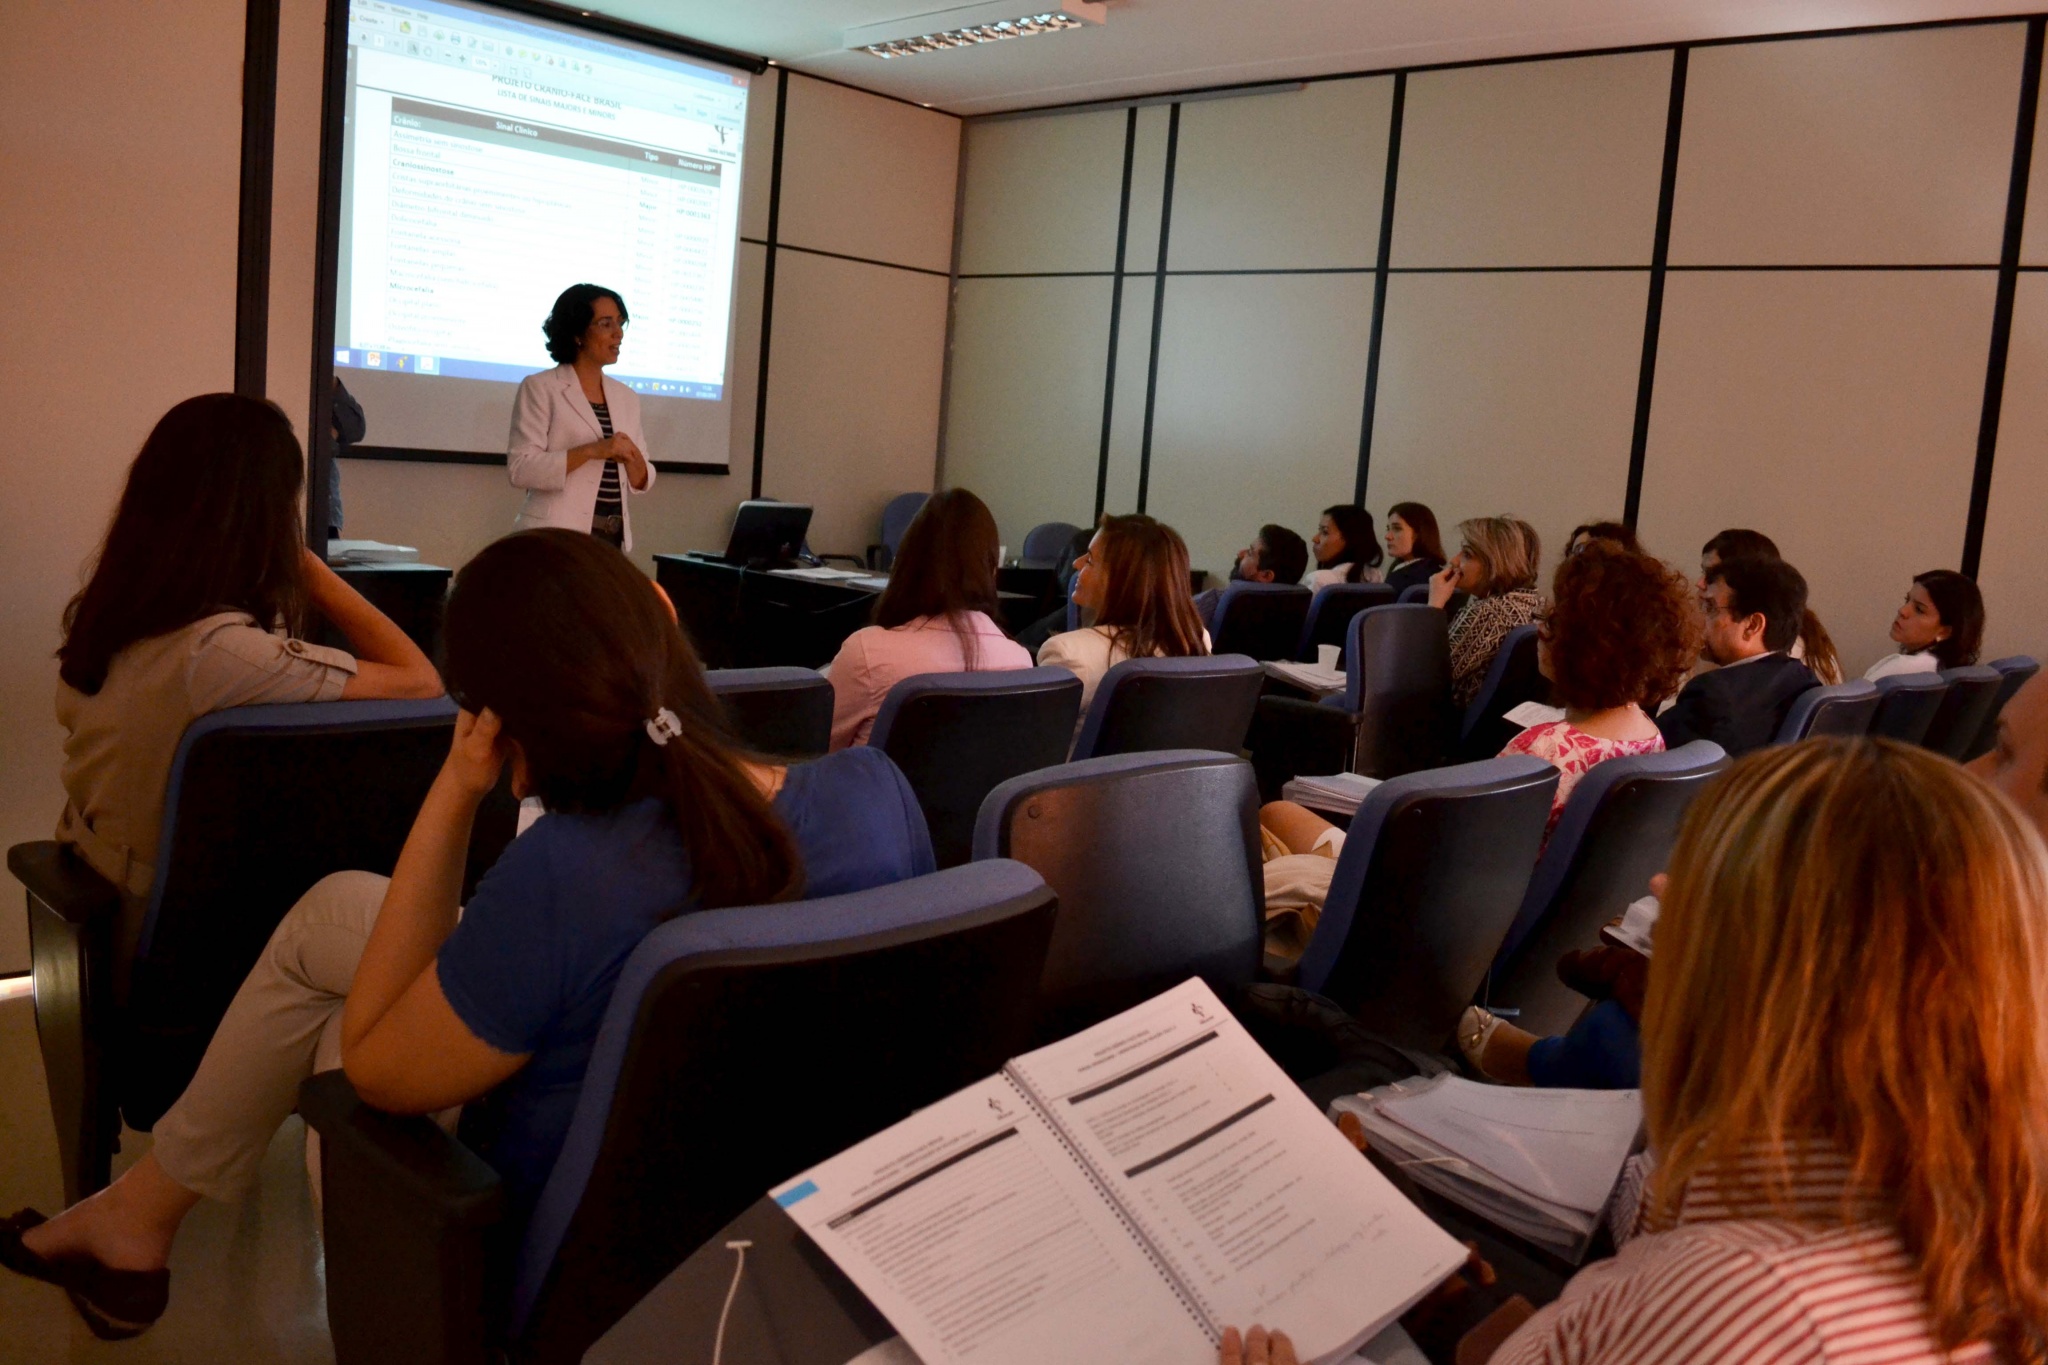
(492, 161)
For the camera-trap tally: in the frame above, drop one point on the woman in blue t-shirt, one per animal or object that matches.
(570, 669)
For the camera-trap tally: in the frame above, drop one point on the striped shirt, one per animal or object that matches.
(610, 497)
(1733, 1290)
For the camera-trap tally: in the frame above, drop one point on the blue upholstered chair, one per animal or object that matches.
(1145, 704)
(2013, 673)
(1906, 703)
(263, 801)
(1972, 695)
(1391, 718)
(1614, 834)
(1155, 859)
(783, 711)
(1330, 612)
(896, 518)
(1044, 544)
(1262, 620)
(1840, 709)
(1432, 874)
(1511, 679)
(739, 1047)
(957, 735)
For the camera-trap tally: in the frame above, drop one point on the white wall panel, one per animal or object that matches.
(1148, 187)
(853, 391)
(1025, 414)
(1042, 193)
(1533, 163)
(1834, 411)
(1283, 181)
(1127, 413)
(1261, 383)
(866, 176)
(1508, 393)
(1876, 149)
(2014, 572)
(758, 171)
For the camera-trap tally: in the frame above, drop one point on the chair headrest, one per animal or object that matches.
(1911, 682)
(780, 678)
(804, 930)
(994, 817)
(996, 682)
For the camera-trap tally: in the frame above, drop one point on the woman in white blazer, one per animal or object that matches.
(577, 446)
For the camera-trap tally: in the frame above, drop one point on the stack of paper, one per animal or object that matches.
(1539, 1163)
(1311, 678)
(1339, 792)
(370, 552)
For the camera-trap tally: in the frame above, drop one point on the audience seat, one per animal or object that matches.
(2013, 673)
(1147, 704)
(1511, 679)
(1432, 875)
(1840, 709)
(1906, 704)
(1155, 860)
(957, 735)
(1262, 620)
(896, 518)
(1045, 544)
(1330, 612)
(1972, 692)
(263, 801)
(781, 712)
(739, 1047)
(1390, 719)
(1616, 833)
(1419, 592)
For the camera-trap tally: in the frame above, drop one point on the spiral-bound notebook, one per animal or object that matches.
(1123, 1195)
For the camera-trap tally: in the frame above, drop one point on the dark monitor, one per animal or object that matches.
(767, 535)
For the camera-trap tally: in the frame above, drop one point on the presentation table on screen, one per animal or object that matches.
(491, 161)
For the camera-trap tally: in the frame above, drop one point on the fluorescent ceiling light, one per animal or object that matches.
(972, 24)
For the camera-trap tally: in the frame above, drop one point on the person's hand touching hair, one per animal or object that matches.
(476, 756)
(1443, 583)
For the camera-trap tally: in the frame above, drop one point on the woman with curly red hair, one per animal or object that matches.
(1619, 635)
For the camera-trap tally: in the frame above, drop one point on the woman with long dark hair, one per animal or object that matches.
(936, 616)
(1415, 547)
(1346, 546)
(570, 671)
(1134, 577)
(198, 601)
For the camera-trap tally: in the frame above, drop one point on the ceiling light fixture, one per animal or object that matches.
(971, 25)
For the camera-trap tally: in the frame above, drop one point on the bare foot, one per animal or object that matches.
(129, 1225)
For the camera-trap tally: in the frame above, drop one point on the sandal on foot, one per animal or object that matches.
(1475, 1030)
(116, 1304)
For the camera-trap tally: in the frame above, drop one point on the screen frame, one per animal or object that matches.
(327, 252)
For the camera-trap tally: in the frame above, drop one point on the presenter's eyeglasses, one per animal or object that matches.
(608, 325)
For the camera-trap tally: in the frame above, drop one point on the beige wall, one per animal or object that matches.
(1805, 383)
(122, 260)
(135, 211)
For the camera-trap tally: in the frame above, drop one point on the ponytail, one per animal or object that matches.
(571, 647)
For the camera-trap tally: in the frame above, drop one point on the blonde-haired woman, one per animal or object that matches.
(1497, 565)
(1845, 1077)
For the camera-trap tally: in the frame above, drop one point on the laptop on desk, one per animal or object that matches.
(765, 535)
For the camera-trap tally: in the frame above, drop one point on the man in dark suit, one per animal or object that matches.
(1753, 609)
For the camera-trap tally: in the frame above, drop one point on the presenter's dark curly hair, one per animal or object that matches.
(570, 319)
(1621, 628)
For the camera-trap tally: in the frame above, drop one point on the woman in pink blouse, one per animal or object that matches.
(1619, 634)
(936, 616)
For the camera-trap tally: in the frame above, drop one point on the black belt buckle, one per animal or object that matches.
(611, 530)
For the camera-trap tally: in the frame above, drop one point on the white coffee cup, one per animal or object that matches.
(1328, 655)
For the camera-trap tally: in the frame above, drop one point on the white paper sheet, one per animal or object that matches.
(1566, 1146)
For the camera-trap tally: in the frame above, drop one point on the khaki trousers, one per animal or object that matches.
(284, 1024)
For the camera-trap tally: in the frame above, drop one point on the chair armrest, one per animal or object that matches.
(1290, 737)
(411, 1217)
(55, 875)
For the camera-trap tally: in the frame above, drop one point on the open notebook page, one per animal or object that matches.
(978, 1236)
(1264, 1210)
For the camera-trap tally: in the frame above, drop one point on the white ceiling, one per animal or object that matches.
(1150, 46)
